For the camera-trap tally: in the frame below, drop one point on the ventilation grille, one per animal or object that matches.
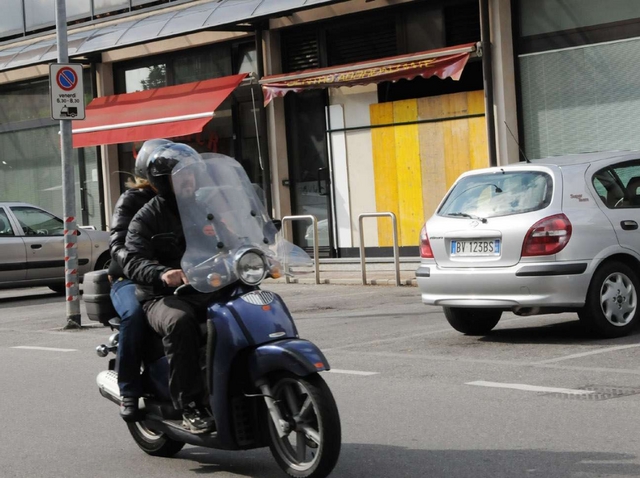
(259, 297)
(367, 40)
(301, 51)
(462, 23)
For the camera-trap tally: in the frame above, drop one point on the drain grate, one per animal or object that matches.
(599, 393)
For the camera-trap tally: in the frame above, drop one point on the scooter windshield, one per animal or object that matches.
(228, 232)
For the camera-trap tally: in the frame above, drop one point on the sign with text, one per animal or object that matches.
(67, 91)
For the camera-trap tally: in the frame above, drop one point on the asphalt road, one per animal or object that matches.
(436, 404)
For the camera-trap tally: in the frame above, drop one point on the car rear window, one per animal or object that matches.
(498, 194)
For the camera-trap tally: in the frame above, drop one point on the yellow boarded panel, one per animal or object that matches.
(455, 104)
(432, 159)
(478, 152)
(411, 213)
(475, 100)
(384, 168)
(456, 149)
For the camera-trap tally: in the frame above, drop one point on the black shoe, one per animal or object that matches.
(129, 409)
(197, 419)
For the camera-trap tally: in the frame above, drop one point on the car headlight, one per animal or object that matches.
(251, 268)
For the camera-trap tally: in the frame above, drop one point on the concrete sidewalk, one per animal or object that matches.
(379, 271)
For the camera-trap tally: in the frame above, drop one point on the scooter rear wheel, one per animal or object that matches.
(154, 443)
(312, 446)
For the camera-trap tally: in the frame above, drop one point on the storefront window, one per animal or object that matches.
(32, 157)
(27, 101)
(104, 6)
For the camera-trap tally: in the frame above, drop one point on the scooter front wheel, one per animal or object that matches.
(154, 443)
(311, 446)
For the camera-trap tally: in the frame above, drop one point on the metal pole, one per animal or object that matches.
(266, 173)
(487, 74)
(316, 251)
(396, 249)
(68, 188)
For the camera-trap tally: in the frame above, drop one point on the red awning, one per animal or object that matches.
(158, 113)
(443, 63)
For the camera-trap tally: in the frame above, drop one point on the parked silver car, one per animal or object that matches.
(32, 248)
(553, 235)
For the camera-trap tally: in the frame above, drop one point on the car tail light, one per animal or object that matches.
(425, 247)
(547, 236)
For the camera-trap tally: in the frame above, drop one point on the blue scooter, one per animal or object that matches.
(263, 380)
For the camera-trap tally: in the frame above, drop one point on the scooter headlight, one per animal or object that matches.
(251, 268)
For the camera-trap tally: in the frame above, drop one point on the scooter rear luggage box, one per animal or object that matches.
(96, 287)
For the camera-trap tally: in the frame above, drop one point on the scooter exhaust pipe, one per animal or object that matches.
(107, 381)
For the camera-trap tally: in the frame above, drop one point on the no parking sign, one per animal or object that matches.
(67, 92)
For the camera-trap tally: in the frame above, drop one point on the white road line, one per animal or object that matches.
(586, 354)
(530, 388)
(48, 349)
(352, 372)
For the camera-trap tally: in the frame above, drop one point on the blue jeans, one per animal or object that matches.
(133, 329)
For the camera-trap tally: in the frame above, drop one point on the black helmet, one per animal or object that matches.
(147, 149)
(162, 162)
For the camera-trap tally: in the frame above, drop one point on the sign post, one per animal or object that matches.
(67, 101)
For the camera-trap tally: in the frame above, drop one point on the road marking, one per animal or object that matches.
(586, 354)
(530, 388)
(352, 372)
(49, 349)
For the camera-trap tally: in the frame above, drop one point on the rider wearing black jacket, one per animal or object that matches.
(133, 324)
(155, 245)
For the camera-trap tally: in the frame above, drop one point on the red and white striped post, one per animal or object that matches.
(68, 188)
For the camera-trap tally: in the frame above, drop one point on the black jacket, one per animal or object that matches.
(150, 255)
(127, 206)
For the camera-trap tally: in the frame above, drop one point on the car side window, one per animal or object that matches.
(5, 225)
(36, 222)
(619, 186)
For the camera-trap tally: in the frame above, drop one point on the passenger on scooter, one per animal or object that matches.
(155, 244)
(133, 325)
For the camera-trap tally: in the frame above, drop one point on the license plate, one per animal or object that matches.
(476, 248)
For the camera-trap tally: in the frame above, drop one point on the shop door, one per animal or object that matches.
(309, 172)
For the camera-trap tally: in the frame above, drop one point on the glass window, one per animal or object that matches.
(78, 9)
(36, 222)
(105, 6)
(492, 195)
(26, 101)
(546, 16)
(11, 18)
(5, 225)
(619, 186)
(247, 59)
(145, 78)
(212, 63)
(39, 13)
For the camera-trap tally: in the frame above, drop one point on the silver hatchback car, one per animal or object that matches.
(554, 235)
(32, 248)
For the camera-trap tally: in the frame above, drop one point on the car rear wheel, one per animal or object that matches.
(472, 321)
(611, 308)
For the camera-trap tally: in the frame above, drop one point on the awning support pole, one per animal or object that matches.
(487, 74)
(266, 173)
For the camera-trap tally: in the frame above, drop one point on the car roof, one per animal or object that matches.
(582, 158)
(17, 203)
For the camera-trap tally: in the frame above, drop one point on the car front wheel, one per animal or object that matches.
(611, 308)
(472, 321)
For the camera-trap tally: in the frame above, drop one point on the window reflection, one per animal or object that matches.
(145, 78)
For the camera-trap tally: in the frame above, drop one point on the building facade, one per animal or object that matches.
(545, 77)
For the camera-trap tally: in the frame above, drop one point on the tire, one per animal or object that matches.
(103, 261)
(58, 289)
(154, 443)
(611, 307)
(472, 321)
(310, 456)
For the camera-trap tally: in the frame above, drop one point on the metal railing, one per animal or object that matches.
(316, 256)
(396, 255)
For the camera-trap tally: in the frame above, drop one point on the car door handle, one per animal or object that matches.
(629, 225)
(36, 246)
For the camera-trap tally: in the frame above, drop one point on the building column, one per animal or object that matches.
(276, 131)
(504, 85)
(108, 153)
